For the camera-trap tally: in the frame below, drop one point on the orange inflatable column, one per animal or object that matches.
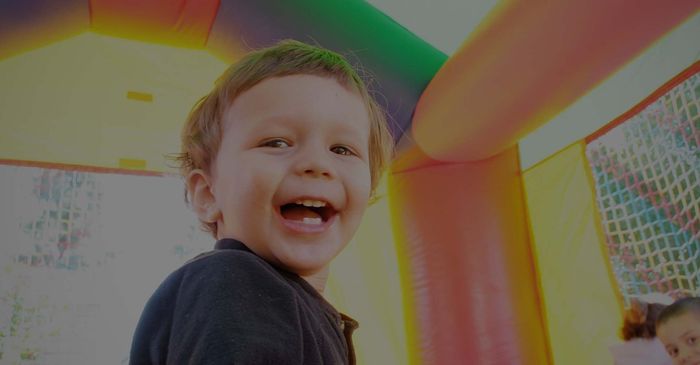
(462, 231)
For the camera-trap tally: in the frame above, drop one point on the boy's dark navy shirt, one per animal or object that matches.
(229, 306)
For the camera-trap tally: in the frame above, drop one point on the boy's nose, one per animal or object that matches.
(317, 173)
(315, 164)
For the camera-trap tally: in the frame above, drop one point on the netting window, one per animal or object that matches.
(646, 171)
(81, 251)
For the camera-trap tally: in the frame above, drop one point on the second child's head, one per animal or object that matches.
(640, 320)
(285, 153)
(678, 328)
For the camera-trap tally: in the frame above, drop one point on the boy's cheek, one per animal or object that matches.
(660, 334)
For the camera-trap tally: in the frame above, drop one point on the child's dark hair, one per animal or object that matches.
(678, 308)
(640, 320)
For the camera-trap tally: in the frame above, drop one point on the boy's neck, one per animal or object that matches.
(318, 280)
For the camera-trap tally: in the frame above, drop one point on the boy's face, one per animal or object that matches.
(291, 179)
(681, 337)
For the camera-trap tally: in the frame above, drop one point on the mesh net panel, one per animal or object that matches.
(80, 252)
(647, 184)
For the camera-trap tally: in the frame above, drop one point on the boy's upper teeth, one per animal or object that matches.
(311, 203)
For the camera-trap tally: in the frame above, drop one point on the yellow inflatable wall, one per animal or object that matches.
(582, 311)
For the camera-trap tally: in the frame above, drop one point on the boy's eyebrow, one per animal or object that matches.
(271, 121)
(288, 122)
(350, 129)
(687, 332)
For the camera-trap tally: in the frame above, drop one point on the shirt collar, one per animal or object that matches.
(230, 244)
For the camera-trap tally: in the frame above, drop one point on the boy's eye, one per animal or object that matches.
(342, 150)
(691, 340)
(275, 143)
(673, 352)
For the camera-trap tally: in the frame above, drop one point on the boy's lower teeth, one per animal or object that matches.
(313, 221)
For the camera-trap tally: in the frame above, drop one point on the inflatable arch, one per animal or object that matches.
(457, 203)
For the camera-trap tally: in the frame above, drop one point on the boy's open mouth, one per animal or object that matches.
(308, 211)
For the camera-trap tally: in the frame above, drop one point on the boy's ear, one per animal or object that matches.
(201, 197)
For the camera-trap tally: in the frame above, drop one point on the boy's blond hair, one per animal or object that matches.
(203, 130)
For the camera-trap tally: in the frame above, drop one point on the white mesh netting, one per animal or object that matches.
(647, 183)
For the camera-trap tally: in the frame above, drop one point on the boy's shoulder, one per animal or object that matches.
(232, 263)
(230, 304)
(226, 253)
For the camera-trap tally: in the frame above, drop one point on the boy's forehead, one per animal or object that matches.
(297, 101)
(679, 324)
(246, 86)
(281, 99)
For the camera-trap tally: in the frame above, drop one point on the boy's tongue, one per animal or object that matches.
(298, 213)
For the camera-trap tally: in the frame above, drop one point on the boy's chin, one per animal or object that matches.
(305, 260)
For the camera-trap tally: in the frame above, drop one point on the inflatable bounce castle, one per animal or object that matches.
(547, 172)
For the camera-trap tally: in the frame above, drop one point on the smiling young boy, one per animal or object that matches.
(678, 328)
(280, 162)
